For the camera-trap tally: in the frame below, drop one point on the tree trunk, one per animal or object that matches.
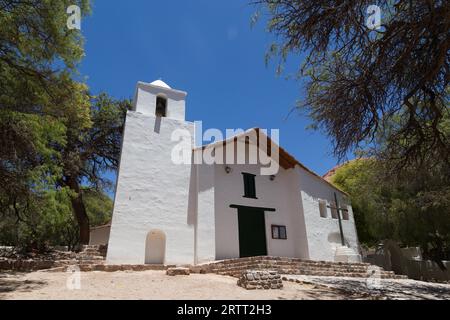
(79, 211)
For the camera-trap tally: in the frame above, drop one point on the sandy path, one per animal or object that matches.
(145, 285)
(150, 285)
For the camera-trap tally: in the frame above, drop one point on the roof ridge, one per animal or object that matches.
(287, 157)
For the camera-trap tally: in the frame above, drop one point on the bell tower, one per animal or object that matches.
(158, 99)
(150, 222)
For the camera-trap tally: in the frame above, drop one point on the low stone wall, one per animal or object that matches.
(424, 270)
(178, 272)
(88, 258)
(259, 279)
(111, 268)
(427, 270)
(25, 265)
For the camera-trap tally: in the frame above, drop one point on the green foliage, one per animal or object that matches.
(357, 179)
(38, 56)
(98, 206)
(39, 220)
(93, 151)
(413, 209)
(55, 137)
(47, 219)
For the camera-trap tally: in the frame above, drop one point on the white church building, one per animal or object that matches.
(166, 212)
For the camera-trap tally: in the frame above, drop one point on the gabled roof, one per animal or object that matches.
(286, 160)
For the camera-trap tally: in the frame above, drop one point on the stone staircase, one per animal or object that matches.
(90, 255)
(93, 258)
(234, 267)
(88, 258)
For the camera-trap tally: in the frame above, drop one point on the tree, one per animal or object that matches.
(99, 207)
(358, 79)
(47, 219)
(37, 56)
(412, 208)
(358, 178)
(56, 137)
(92, 152)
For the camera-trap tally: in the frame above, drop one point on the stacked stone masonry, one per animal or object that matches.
(234, 267)
(178, 271)
(92, 259)
(89, 258)
(260, 279)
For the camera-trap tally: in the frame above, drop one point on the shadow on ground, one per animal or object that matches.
(406, 289)
(13, 281)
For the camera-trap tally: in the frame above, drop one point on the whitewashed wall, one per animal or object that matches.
(323, 233)
(278, 194)
(205, 235)
(152, 193)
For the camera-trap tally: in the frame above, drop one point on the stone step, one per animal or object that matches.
(308, 271)
(295, 267)
(288, 260)
(98, 250)
(290, 268)
(88, 257)
(329, 274)
(296, 270)
(115, 268)
(282, 263)
(91, 246)
(235, 267)
(77, 262)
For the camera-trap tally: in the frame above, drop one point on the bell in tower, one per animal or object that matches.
(160, 100)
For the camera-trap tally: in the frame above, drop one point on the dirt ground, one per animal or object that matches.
(151, 285)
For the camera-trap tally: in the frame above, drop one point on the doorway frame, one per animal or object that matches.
(263, 212)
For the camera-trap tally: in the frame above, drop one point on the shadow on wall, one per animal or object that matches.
(334, 238)
(157, 128)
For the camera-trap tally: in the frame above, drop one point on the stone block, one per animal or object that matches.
(178, 272)
(113, 268)
(260, 280)
(98, 267)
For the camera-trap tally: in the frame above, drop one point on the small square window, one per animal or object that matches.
(279, 232)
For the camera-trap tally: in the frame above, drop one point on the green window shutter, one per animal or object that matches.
(249, 185)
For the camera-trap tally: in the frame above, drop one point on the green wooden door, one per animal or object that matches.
(252, 232)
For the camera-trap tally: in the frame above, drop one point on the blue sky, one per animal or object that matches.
(209, 49)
